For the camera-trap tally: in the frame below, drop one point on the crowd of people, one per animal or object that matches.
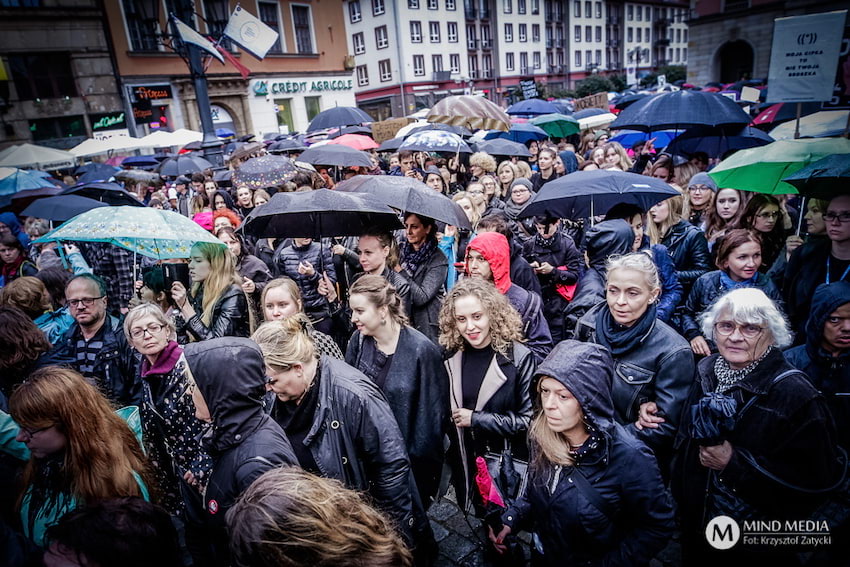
(305, 402)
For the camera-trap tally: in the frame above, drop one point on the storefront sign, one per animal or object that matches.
(143, 112)
(108, 121)
(263, 88)
(154, 92)
(803, 57)
(598, 100)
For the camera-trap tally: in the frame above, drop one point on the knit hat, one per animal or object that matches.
(703, 178)
(524, 182)
(599, 133)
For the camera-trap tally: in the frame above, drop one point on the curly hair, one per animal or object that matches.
(483, 160)
(289, 517)
(505, 322)
(27, 293)
(230, 215)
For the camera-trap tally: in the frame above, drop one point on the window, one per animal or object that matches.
(630, 13)
(416, 32)
(599, 57)
(639, 15)
(577, 34)
(381, 39)
(359, 43)
(355, 16)
(587, 60)
(630, 34)
(362, 76)
(509, 33)
(647, 17)
(588, 34)
(378, 7)
(535, 7)
(639, 32)
(523, 62)
(471, 41)
(487, 64)
(535, 59)
(413, 4)
(301, 21)
(268, 13)
(51, 128)
(535, 32)
(578, 58)
(314, 106)
(142, 32)
(434, 31)
(451, 32)
(588, 10)
(386, 71)
(418, 65)
(433, 4)
(577, 8)
(685, 36)
(598, 6)
(451, 5)
(472, 61)
(598, 33)
(520, 6)
(509, 61)
(43, 75)
(213, 10)
(508, 6)
(523, 32)
(437, 62)
(678, 36)
(485, 35)
(684, 54)
(678, 54)
(454, 63)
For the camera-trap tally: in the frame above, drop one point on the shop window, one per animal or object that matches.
(141, 30)
(52, 128)
(268, 14)
(284, 115)
(314, 106)
(43, 75)
(302, 22)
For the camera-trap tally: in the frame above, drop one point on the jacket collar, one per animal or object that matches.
(494, 379)
(756, 382)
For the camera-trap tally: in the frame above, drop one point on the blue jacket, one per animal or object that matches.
(671, 289)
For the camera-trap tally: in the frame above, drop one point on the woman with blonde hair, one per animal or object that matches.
(80, 450)
(289, 517)
(490, 373)
(506, 173)
(481, 163)
(685, 242)
(217, 306)
(616, 156)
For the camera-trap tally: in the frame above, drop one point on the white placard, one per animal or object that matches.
(250, 33)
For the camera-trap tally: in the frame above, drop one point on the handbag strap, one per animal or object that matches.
(592, 494)
(773, 383)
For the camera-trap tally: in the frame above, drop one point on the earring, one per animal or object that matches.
(383, 321)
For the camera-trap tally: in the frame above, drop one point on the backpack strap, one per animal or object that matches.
(592, 494)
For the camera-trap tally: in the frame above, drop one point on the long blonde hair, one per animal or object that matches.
(222, 275)
(656, 231)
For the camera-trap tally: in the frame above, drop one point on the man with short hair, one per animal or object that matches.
(407, 166)
(95, 344)
(181, 196)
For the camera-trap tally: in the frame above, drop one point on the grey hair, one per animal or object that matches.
(638, 261)
(749, 305)
(143, 310)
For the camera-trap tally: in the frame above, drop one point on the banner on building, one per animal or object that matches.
(803, 57)
(631, 75)
(250, 33)
(598, 100)
(387, 129)
(188, 35)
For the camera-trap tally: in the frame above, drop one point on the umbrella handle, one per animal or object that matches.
(62, 256)
(801, 215)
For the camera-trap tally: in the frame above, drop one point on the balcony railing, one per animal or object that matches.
(526, 70)
(487, 73)
(555, 69)
(486, 44)
(471, 43)
(473, 73)
(442, 76)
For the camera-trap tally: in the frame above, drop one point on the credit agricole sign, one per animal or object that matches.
(263, 88)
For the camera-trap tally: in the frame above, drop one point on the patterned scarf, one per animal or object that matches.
(411, 258)
(727, 377)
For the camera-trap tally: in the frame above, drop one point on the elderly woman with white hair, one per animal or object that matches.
(758, 442)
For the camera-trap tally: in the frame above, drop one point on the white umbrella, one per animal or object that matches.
(405, 130)
(158, 139)
(818, 125)
(37, 157)
(7, 171)
(183, 136)
(94, 146)
(596, 121)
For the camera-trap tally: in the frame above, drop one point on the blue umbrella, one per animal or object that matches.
(225, 133)
(141, 162)
(681, 110)
(338, 117)
(716, 142)
(104, 170)
(435, 141)
(61, 207)
(588, 112)
(522, 133)
(503, 147)
(823, 179)
(21, 180)
(532, 107)
(627, 138)
(390, 145)
(95, 176)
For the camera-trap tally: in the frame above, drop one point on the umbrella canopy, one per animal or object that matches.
(596, 121)
(225, 133)
(335, 155)
(183, 136)
(36, 157)
(588, 112)
(503, 147)
(391, 145)
(141, 162)
(338, 117)
(22, 199)
(472, 112)
(365, 130)
(557, 125)
(154, 233)
(627, 100)
(627, 138)
(435, 141)
(244, 150)
(264, 171)
(159, 139)
(717, 141)
(94, 146)
(61, 207)
(680, 110)
(782, 111)
(824, 178)
(522, 133)
(819, 125)
(7, 171)
(138, 176)
(408, 195)
(92, 172)
(286, 145)
(587, 193)
(183, 165)
(531, 107)
(417, 127)
(763, 169)
(319, 213)
(110, 193)
(20, 181)
(356, 141)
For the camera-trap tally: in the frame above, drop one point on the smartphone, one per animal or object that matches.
(176, 273)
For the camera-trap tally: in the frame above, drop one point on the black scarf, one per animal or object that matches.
(411, 258)
(619, 339)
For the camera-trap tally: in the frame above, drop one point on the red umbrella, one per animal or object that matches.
(783, 111)
(356, 141)
(486, 486)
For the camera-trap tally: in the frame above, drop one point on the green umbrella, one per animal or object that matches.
(763, 169)
(150, 232)
(557, 125)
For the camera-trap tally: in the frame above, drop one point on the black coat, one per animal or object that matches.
(806, 270)
(230, 316)
(286, 260)
(257, 271)
(427, 287)
(244, 442)
(416, 387)
(689, 249)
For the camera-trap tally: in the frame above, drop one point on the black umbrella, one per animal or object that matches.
(459, 130)
(22, 199)
(390, 145)
(503, 147)
(140, 162)
(286, 145)
(192, 146)
(680, 110)
(105, 171)
(588, 112)
(365, 130)
(223, 177)
(183, 165)
(823, 179)
(409, 195)
(319, 213)
(334, 154)
(338, 117)
(264, 171)
(716, 141)
(61, 207)
(109, 193)
(627, 100)
(588, 193)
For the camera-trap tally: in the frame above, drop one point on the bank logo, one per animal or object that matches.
(261, 88)
(722, 532)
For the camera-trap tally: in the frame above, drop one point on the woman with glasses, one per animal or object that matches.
(492, 195)
(699, 199)
(521, 192)
(776, 459)
(764, 215)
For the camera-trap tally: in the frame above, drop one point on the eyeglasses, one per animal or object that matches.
(840, 217)
(748, 330)
(767, 216)
(152, 329)
(698, 189)
(521, 190)
(32, 432)
(87, 301)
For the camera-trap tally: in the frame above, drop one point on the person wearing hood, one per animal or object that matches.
(594, 494)
(229, 383)
(653, 364)
(522, 274)
(604, 239)
(556, 261)
(9, 225)
(488, 257)
(570, 161)
(825, 358)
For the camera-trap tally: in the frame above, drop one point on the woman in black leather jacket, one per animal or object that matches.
(652, 363)
(217, 306)
(490, 374)
(685, 242)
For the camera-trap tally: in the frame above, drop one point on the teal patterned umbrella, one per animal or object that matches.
(150, 232)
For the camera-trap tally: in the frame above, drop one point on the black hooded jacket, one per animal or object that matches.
(829, 374)
(244, 442)
(621, 470)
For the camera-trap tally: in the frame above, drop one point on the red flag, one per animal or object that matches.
(243, 70)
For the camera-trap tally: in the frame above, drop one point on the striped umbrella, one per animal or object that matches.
(473, 112)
